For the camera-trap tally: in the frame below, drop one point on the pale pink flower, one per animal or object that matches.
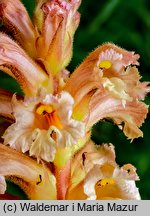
(100, 176)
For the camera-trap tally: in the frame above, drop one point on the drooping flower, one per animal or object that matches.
(100, 176)
(108, 72)
(50, 125)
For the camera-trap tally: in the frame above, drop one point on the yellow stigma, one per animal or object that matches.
(105, 181)
(44, 108)
(105, 64)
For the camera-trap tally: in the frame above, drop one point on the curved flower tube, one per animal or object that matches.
(5, 104)
(15, 62)
(128, 118)
(20, 25)
(114, 84)
(35, 179)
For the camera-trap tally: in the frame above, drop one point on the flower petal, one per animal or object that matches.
(127, 171)
(43, 145)
(90, 72)
(86, 78)
(99, 184)
(2, 185)
(129, 190)
(117, 56)
(18, 135)
(84, 161)
(131, 79)
(15, 163)
(82, 108)
(38, 17)
(51, 25)
(103, 105)
(35, 179)
(5, 104)
(95, 175)
(15, 62)
(77, 193)
(60, 20)
(17, 20)
(89, 184)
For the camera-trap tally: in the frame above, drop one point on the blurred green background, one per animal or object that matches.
(127, 24)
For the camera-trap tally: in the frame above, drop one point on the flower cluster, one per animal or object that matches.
(45, 134)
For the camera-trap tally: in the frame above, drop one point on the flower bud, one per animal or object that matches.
(56, 21)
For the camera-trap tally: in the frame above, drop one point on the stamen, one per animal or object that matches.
(106, 64)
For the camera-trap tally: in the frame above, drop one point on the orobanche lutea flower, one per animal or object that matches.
(45, 134)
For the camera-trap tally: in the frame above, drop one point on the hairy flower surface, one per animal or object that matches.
(44, 125)
(57, 22)
(45, 133)
(108, 72)
(100, 176)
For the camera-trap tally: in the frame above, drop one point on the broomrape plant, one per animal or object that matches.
(46, 147)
